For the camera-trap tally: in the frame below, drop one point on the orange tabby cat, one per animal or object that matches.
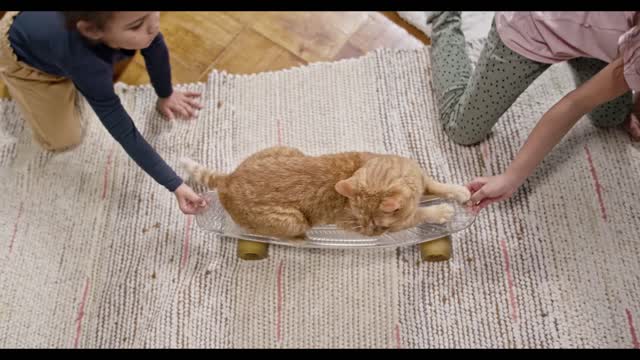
(281, 192)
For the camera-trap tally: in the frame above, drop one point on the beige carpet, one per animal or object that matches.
(93, 253)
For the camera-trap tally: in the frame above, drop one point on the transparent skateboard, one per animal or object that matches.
(216, 220)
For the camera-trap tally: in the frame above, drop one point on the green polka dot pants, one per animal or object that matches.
(612, 113)
(471, 102)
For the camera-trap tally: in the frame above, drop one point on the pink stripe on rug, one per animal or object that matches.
(81, 313)
(185, 242)
(484, 150)
(107, 167)
(632, 330)
(397, 334)
(507, 269)
(598, 187)
(15, 227)
(279, 304)
(279, 125)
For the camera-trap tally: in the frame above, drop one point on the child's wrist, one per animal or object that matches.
(165, 96)
(515, 176)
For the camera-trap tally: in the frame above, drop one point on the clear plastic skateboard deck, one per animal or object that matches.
(216, 220)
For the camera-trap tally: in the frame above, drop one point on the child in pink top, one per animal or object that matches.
(600, 47)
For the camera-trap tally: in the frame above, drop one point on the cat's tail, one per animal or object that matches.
(200, 174)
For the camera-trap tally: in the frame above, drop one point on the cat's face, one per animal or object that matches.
(382, 196)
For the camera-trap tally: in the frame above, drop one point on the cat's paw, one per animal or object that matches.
(460, 193)
(441, 213)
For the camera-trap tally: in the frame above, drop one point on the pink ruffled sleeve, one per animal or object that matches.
(629, 48)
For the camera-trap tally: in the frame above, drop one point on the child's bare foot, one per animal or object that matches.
(632, 125)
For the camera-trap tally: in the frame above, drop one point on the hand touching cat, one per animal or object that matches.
(190, 203)
(487, 190)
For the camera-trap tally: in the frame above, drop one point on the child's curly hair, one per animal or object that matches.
(98, 18)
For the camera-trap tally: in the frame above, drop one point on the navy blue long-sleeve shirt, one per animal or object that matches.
(40, 39)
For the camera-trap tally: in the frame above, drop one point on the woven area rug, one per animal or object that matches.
(93, 253)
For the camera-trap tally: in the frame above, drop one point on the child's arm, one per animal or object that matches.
(94, 80)
(170, 103)
(606, 85)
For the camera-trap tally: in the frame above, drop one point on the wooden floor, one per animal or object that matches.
(251, 42)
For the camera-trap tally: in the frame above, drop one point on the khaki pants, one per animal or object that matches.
(47, 102)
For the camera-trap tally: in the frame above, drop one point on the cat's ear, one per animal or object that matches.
(394, 199)
(390, 204)
(345, 188)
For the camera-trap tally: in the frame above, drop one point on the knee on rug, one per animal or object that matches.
(59, 141)
(464, 137)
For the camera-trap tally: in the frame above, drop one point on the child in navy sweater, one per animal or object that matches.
(47, 57)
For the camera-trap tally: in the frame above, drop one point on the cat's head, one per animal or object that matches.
(383, 194)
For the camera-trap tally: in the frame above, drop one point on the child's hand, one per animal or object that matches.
(190, 203)
(487, 190)
(179, 103)
(632, 125)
